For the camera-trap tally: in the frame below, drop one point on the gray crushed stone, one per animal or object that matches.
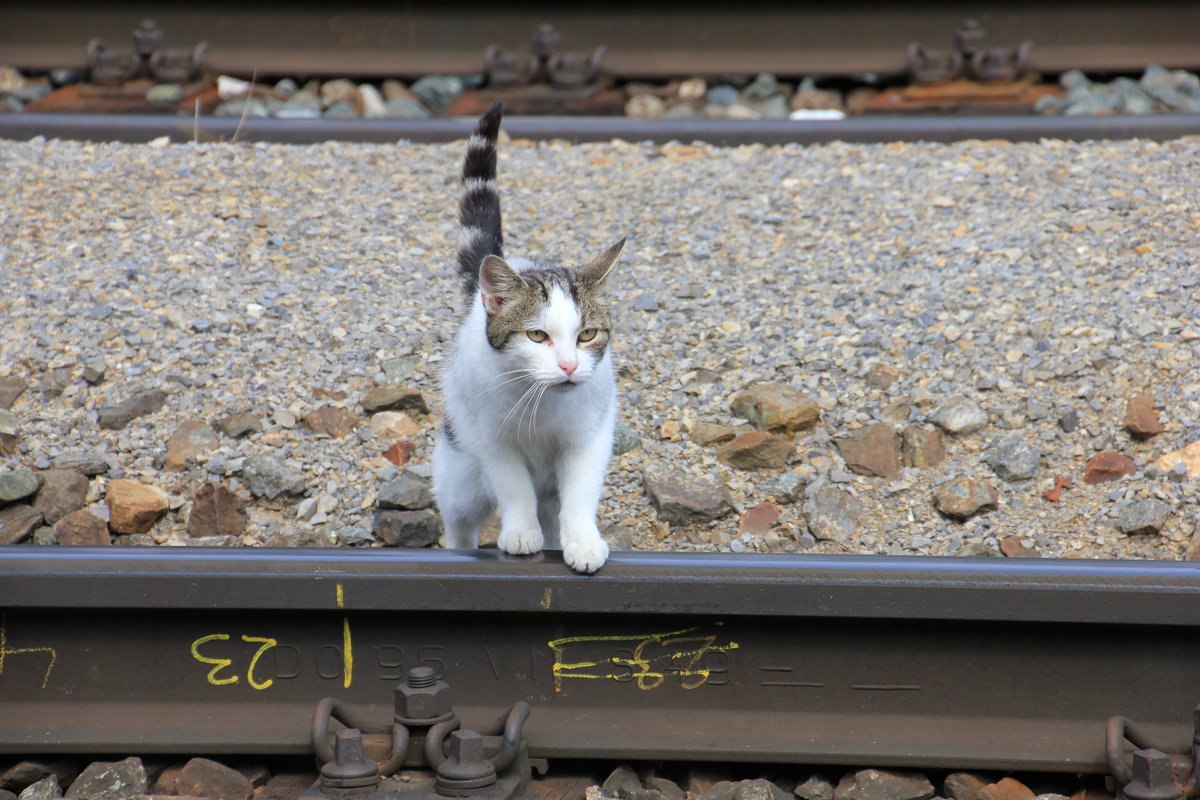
(1045, 283)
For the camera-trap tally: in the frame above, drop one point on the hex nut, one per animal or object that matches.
(424, 703)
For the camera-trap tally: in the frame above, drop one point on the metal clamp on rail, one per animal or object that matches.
(491, 764)
(1153, 775)
(546, 65)
(968, 60)
(148, 58)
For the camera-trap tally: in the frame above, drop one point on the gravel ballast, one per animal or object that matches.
(1044, 284)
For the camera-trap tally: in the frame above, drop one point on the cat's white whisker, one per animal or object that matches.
(516, 405)
(521, 373)
(533, 407)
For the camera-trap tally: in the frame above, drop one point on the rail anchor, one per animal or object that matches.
(1152, 774)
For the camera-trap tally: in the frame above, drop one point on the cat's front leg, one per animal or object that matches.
(520, 533)
(580, 480)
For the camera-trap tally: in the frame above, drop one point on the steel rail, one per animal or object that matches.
(919, 662)
(665, 39)
(144, 128)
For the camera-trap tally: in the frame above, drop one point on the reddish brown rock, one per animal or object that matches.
(963, 786)
(963, 498)
(164, 784)
(134, 507)
(24, 774)
(332, 421)
(881, 376)
(189, 440)
(17, 522)
(1141, 418)
(62, 492)
(1108, 465)
(756, 450)
(776, 407)
(201, 777)
(708, 433)
(1011, 546)
(873, 450)
(681, 498)
(10, 444)
(400, 452)
(285, 786)
(1055, 494)
(82, 528)
(758, 520)
(395, 398)
(1006, 789)
(922, 448)
(216, 511)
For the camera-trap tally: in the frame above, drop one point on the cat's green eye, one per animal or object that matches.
(587, 334)
(537, 336)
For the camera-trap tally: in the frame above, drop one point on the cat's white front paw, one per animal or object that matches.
(520, 542)
(586, 554)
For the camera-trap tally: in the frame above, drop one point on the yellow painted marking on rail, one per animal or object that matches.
(267, 644)
(640, 664)
(546, 597)
(220, 663)
(347, 654)
(5, 651)
(347, 648)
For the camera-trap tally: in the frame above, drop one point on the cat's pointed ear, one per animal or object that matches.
(596, 270)
(497, 282)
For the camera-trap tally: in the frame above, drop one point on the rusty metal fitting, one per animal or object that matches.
(546, 41)
(350, 767)
(109, 67)
(1001, 64)
(177, 65)
(567, 71)
(422, 699)
(504, 68)
(148, 37)
(465, 771)
(932, 66)
(969, 38)
(1153, 777)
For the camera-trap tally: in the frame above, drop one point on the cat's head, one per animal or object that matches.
(549, 324)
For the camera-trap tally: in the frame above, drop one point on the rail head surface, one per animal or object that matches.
(725, 132)
(788, 585)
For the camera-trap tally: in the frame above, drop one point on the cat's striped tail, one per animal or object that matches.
(479, 206)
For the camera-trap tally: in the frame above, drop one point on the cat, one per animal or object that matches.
(529, 389)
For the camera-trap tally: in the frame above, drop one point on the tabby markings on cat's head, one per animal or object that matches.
(550, 319)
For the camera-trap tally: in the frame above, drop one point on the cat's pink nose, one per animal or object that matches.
(568, 367)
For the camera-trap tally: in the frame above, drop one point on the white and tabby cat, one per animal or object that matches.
(530, 395)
